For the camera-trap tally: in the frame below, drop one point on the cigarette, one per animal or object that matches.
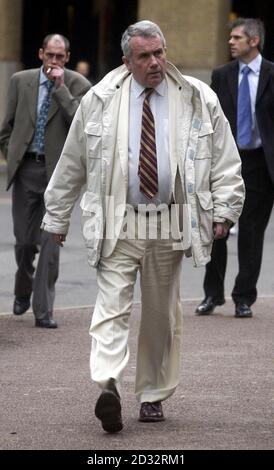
(49, 69)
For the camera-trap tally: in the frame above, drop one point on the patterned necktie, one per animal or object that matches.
(39, 137)
(244, 114)
(147, 170)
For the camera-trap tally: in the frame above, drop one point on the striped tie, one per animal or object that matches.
(147, 170)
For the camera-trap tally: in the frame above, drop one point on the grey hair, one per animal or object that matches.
(251, 27)
(144, 28)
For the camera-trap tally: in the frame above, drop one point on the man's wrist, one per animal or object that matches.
(228, 223)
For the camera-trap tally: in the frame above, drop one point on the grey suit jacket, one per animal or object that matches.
(18, 127)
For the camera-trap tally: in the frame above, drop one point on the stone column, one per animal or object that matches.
(196, 32)
(10, 45)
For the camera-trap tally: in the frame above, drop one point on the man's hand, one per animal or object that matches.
(56, 74)
(220, 230)
(59, 238)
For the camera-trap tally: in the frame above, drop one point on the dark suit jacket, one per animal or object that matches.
(225, 84)
(18, 127)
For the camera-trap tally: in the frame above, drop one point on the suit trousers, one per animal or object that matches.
(214, 281)
(252, 225)
(158, 354)
(28, 210)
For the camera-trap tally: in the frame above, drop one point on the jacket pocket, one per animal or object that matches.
(93, 133)
(205, 211)
(204, 144)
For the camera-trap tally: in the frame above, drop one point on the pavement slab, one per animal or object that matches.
(224, 400)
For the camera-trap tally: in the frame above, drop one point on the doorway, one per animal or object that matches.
(93, 27)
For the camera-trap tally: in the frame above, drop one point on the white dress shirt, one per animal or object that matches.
(159, 107)
(253, 80)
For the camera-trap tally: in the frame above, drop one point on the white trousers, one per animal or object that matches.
(158, 354)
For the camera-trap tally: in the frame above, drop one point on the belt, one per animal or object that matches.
(37, 157)
(150, 212)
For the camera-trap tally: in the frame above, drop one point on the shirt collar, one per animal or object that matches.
(139, 89)
(43, 79)
(254, 65)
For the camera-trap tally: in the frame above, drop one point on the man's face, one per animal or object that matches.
(147, 60)
(54, 55)
(241, 46)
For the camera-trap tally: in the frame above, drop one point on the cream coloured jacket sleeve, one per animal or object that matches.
(67, 180)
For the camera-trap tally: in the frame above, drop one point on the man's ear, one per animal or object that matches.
(41, 54)
(255, 41)
(127, 63)
(68, 57)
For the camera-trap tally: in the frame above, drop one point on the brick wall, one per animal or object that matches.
(196, 30)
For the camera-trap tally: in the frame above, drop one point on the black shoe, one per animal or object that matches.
(108, 409)
(21, 305)
(46, 323)
(208, 304)
(243, 311)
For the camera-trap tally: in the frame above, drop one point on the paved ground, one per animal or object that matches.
(224, 401)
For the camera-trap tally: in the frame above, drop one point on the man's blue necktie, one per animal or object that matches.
(244, 114)
(39, 137)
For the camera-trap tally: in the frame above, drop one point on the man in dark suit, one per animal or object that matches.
(245, 88)
(40, 106)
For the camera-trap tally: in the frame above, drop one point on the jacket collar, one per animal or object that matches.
(263, 79)
(114, 80)
(32, 90)
(232, 78)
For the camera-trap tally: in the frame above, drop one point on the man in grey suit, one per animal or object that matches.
(40, 106)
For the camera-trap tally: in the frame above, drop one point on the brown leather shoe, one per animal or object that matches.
(151, 412)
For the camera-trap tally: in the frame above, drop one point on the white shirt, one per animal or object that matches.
(253, 80)
(159, 107)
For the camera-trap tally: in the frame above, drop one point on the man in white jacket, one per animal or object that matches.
(156, 153)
